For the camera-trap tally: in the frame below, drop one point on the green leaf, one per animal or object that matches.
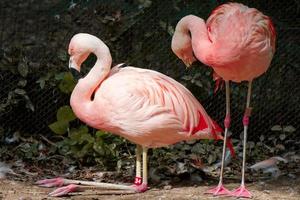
(289, 129)
(22, 83)
(169, 28)
(276, 128)
(62, 55)
(23, 69)
(59, 127)
(42, 80)
(198, 149)
(87, 137)
(42, 83)
(77, 133)
(282, 136)
(81, 135)
(65, 113)
(100, 134)
(67, 84)
(211, 158)
(187, 78)
(145, 3)
(20, 91)
(85, 150)
(98, 147)
(198, 83)
(29, 104)
(59, 76)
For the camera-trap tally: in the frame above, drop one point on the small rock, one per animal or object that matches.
(176, 179)
(267, 191)
(167, 187)
(261, 183)
(293, 176)
(5, 169)
(196, 178)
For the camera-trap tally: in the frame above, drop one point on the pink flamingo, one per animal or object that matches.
(146, 107)
(238, 42)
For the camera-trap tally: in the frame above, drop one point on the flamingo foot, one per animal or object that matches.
(53, 182)
(241, 192)
(219, 191)
(141, 188)
(62, 191)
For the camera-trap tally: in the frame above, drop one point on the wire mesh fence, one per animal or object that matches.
(34, 37)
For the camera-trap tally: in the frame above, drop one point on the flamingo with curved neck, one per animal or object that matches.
(238, 42)
(146, 107)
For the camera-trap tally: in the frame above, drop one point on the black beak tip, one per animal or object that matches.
(76, 74)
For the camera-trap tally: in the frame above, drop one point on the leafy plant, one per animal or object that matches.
(67, 83)
(64, 116)
(18, 93)
(82, 142)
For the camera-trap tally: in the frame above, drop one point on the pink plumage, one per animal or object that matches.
(243, 40)
(238, 42)
(144, 106)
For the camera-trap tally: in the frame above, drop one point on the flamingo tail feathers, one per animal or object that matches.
(229, 144)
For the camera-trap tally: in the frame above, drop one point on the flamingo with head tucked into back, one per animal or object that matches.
(144, 106)
(238, 42)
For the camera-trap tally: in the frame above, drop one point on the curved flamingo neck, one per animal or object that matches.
(201, 44)
(81, 98)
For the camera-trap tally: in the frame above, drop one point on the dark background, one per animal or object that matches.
(35, 34)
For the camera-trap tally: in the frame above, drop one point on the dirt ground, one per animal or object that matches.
(282, 188)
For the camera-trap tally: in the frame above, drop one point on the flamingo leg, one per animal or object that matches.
(242, 190)
(220, 189)
(77, 185)
(67, 186)
(144, 186)
(138, 176)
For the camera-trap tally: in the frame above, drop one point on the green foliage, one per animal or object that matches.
(64, 115)
(59, 127)
(67, 83)
(17, 96)
(90, 146)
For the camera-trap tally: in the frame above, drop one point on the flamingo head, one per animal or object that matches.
(81, 45)
(182, 47)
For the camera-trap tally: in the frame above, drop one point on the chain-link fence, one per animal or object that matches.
(34, 37)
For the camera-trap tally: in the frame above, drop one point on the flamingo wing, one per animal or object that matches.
(240, 30)
(144, 100)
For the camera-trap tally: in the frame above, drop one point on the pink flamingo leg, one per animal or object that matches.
(63, 191)
(140, 185)
(75, 185)
(53, 182)
(242, 190)
(220, 189)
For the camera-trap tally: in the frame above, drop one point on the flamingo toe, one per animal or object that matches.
(62, 191)
(53, 182)
(220, 190)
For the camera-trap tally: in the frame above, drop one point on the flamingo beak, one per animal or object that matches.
(74, 69)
